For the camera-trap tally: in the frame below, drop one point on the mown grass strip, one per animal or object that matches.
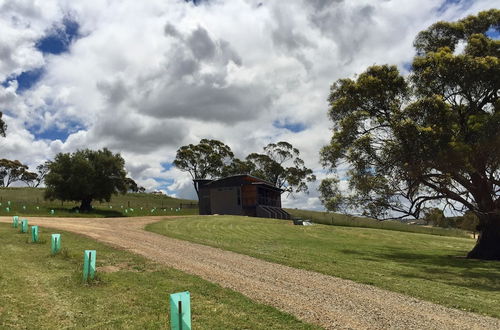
(337, 219)
(40, 291)
(429, 267)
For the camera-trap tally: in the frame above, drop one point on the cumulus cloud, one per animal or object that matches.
(144, 78)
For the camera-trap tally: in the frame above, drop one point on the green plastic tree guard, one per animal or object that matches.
(89, 265)
(34, 234)
(52, 211)
(180, 311)
(15, 221)
(24, 226)
(8, 203)
(55, 245)
(7, 209)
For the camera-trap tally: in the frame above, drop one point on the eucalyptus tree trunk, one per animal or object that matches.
(86, 205)
(488, 242)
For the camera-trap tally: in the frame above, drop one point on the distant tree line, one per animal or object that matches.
(435, 217)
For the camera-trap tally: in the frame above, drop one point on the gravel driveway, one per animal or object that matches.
(330, 302)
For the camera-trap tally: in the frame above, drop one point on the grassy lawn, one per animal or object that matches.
(429, 267)
(38, 291)
(337, 219)
(30, 202)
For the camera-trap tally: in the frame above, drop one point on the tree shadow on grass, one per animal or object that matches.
(449, 269)
(97, 213)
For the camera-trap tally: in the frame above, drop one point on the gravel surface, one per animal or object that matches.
(330, 302)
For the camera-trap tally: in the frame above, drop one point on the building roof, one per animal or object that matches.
(239, 177)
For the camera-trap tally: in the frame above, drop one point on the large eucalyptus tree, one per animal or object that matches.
(430, 138)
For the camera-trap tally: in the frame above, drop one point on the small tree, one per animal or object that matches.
(435, 217)
(131, 185)
(11, 171)
(29, 178)
(469, 222)
(41, 172)
(84, 176)
(272, 167)
(205, 160)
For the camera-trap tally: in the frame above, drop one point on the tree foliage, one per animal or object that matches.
(86, 175)
(41, 172)
(204, 160)
(435, 217)
(469, 222)
(131, 185)
(432, 137)
(3, 125)
(330, 194)
(279, 164)
(30, 178)
(11, 171)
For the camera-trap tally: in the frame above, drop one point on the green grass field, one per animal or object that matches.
(39, 291)
(337, 219)
(429, 267)
(30, 202)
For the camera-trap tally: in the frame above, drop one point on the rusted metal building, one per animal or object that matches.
(240, 195)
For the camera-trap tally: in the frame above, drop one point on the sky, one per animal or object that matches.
(143, 78)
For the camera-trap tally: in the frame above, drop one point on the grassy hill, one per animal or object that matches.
(40, 291)
(429, 267)
(30, 202)
(337, 219)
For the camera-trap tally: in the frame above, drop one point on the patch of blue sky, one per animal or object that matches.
(405, 67)
(57, 42)
(166, 166)
(28, 79)
(25, 80)
(54, 132)
(164, 184)
(493, 33)
(59, 39)
(294, 127)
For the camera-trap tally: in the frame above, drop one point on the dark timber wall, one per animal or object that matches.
(240, 195)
